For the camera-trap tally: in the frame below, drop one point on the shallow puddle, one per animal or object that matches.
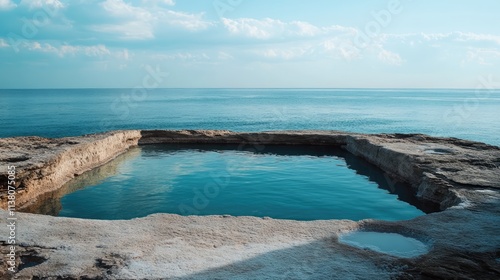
(388, 243)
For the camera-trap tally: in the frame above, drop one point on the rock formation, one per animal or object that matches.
(462, 176)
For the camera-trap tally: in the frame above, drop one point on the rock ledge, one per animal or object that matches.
(462, 176)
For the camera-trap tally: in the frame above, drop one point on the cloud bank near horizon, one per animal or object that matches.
(221, 43)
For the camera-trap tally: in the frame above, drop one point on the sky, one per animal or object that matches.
(249, 43)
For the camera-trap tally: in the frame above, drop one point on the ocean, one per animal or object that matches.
(467, 114)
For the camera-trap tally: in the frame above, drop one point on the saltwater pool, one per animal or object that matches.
(283, 182)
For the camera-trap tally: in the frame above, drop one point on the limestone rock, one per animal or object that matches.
(462, 176)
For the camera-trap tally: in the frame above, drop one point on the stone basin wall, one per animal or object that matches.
(44, 165)
(435, 167)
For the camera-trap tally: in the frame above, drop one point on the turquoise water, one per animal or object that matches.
(300, 188)
(53, 113)
(301, 183)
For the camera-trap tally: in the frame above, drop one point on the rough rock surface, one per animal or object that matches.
(43, 165)
(462, 176)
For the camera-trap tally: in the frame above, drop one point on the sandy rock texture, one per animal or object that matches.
(43, 165)
(462, 176)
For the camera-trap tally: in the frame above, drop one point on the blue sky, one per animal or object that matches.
(249, 43)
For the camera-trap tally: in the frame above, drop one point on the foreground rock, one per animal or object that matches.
(462, 176)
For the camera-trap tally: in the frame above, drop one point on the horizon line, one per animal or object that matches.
(307, 88)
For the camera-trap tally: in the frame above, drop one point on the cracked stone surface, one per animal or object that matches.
(462, 176)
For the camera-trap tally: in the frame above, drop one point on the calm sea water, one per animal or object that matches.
(54, 113)
(302, 183)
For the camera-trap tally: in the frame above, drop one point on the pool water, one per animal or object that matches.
(384, 242)
(283, 182)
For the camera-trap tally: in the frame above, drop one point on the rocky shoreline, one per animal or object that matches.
(463, 177)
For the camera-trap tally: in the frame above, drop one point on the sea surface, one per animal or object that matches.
(468, 114)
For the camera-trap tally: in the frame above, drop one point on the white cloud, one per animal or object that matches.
(125, 55)
(473, 47)
(159, 2)
(390, 57)
(338, 48)
(64, 50)
(482, 56)
(183, 56)
(132, 30)
(7, 5)
(187, 21)
(119, 8)
(135, 22)
(286, 54)
(343, 29)
(435, 36)
(450, 36)
(37, 4)
(478, 37)
(341, 48)
(260, 29)
(305, 40)
(272, 28)
(304, 29)
(224, 56)
(462, 37)
(142, 22)
(308, 40)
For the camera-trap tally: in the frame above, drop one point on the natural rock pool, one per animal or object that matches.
(283, 182)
